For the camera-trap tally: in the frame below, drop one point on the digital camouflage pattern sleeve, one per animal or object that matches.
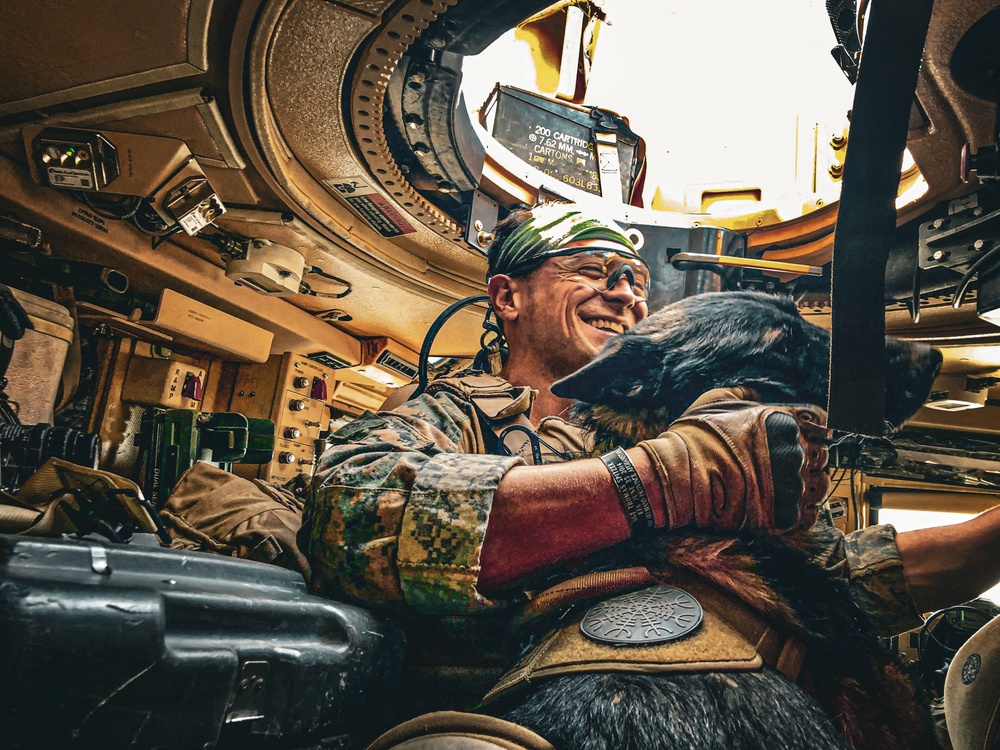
(869, 559)
(397, 510)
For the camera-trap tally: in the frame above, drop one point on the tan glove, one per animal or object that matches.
(729, 463)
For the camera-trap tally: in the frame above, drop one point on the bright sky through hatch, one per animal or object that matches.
(725, 93)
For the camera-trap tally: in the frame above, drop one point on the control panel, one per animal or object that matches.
(291, 458)
(76, 159)
(293, 392)
(167, 383)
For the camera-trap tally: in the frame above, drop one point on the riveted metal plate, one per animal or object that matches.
(653, 615)
(374, 67)
(246, 701)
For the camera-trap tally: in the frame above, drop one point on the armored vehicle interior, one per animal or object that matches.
(233, 224)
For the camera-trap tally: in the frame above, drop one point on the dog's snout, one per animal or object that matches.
(911, 367)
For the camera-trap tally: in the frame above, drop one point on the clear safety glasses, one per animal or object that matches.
(602, 269)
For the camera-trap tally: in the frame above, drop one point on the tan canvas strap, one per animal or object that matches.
(732, 637)
(584, 589)
(456, 730)
(15, 519)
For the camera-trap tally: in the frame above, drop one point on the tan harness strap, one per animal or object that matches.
(456, 730)
(731, 638)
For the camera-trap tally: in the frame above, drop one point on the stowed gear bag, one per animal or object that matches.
(211, 510)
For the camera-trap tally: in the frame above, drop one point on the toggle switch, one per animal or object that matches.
(192, 387)
(318, 389)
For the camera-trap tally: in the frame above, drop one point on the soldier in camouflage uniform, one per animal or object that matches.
(413, 509)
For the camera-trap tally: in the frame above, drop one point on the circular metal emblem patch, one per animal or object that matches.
(653, 615)
(970, 670)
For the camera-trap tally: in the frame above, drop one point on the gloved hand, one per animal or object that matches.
(13, 319)
(730, 463)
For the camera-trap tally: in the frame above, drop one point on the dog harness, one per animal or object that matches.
(730, 637)
(458, 730)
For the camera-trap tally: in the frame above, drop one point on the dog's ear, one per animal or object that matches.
(618, 373)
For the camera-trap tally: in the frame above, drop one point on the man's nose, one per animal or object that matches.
(621, 291)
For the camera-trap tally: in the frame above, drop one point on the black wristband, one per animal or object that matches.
(631, 492)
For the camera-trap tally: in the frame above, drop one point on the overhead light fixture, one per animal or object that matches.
(956, 393)
(267, 268)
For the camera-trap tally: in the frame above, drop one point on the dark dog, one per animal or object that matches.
(644, 379)
(858, 697)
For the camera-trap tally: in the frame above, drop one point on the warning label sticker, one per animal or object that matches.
(370, 205)
(70, 178)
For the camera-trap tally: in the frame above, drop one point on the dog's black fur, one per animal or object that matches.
(636, 386)
(644, 379)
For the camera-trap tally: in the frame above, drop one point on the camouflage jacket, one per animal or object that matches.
(400, 503)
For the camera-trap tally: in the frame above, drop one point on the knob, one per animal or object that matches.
(297, 404)
(286, 457)
(300, 382)
(293, 433)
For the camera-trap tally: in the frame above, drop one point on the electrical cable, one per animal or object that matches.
(854, 501)
(316, 270)
(963, 285)
(836, 484)
(130, 203)
(149, 222)
(159, 239)
(536, 443)
(432, 332)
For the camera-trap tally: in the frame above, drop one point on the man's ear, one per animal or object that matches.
(502, 289)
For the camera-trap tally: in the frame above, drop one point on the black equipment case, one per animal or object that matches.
(135, 646)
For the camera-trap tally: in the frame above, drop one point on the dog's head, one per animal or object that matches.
(645, 378)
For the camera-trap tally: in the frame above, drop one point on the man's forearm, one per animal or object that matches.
(546, 515)
(951, 564)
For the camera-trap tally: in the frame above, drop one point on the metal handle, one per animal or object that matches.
(731, 260)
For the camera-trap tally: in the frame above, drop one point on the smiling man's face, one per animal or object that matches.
(566, 318)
